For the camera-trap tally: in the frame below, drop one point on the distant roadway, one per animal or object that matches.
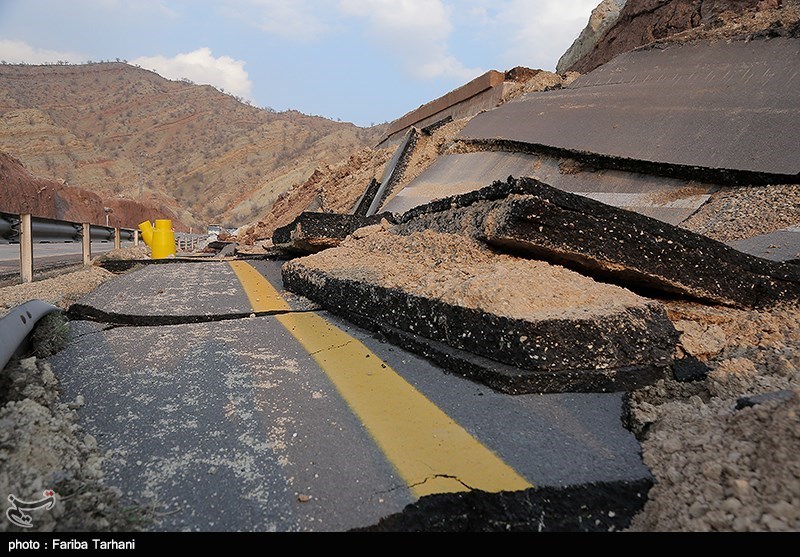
(48, 257)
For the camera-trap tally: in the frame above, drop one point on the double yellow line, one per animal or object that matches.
(430, 451)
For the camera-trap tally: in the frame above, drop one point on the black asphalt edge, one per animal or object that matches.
(429, 130)
(491, 192)
(610, 244)
(614, 346)
(396, 169)
(83, 312)
(596, 507)
(311, 232)
(121, 266)
(632, 249)
(509, 379)
(719, 176)
(362, 207)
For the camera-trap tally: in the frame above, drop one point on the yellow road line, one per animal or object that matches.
(430, 451)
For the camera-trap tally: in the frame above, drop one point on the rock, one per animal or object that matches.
(750, 401)
(603, 17)
(689, 369)
(641, 22)
(314, 232)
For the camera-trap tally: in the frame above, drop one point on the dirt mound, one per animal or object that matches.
(334, 189)
(722, 463)
(338, 188)
(46, 453)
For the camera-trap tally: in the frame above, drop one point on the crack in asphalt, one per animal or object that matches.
(446, 476)
(331, 348)
(80, 312)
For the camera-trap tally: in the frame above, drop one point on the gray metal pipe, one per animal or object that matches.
(102, 233)
(17, 325)
(50, 230)
(8, 230)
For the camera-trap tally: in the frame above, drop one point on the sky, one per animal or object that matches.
(359, 61)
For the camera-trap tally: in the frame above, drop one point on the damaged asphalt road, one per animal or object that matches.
(298, 421)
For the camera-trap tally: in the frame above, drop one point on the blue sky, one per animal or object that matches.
(360, 61)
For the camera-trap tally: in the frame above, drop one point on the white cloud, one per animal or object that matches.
(201, 66)
(148, 7)
(416, 31)
(298, 20)
(17, 52)
(537, 32)
(555, 22)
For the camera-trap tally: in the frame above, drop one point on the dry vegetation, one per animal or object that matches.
(205, 155)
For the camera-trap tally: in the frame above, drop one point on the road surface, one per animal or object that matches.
(227, 403)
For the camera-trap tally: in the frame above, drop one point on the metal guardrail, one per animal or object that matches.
(18, 324)
(393, 169)
(190, 242)
(51, 230)
(27, 230)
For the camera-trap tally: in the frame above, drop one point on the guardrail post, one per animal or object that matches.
(87, 244)
(136, 238)
(117, 238)
(25, 248)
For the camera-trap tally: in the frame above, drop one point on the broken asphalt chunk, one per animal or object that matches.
(529, 218)
(515, 324)
(635, 250)
(314, 232)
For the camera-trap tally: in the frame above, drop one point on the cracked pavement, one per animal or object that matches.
(231, 425)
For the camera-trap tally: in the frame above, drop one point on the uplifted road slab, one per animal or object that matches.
(722, 111)
(532, 219)
(243, 426)
(519, 325)
(781, 245)
(671, 200)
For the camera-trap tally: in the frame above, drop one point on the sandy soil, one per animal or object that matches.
(728, 215)
(60, 291)
(464, 272)
(719, 468)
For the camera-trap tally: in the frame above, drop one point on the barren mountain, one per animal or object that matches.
(122, 131)
(22, 192)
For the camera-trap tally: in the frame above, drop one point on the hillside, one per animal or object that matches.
(618, 26)
(337, 188)
(22, 192)
(125, 132)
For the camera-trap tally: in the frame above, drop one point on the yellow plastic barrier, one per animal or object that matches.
(147, 232)
(163, 240)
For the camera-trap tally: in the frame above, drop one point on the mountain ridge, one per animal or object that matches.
(124, 132)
